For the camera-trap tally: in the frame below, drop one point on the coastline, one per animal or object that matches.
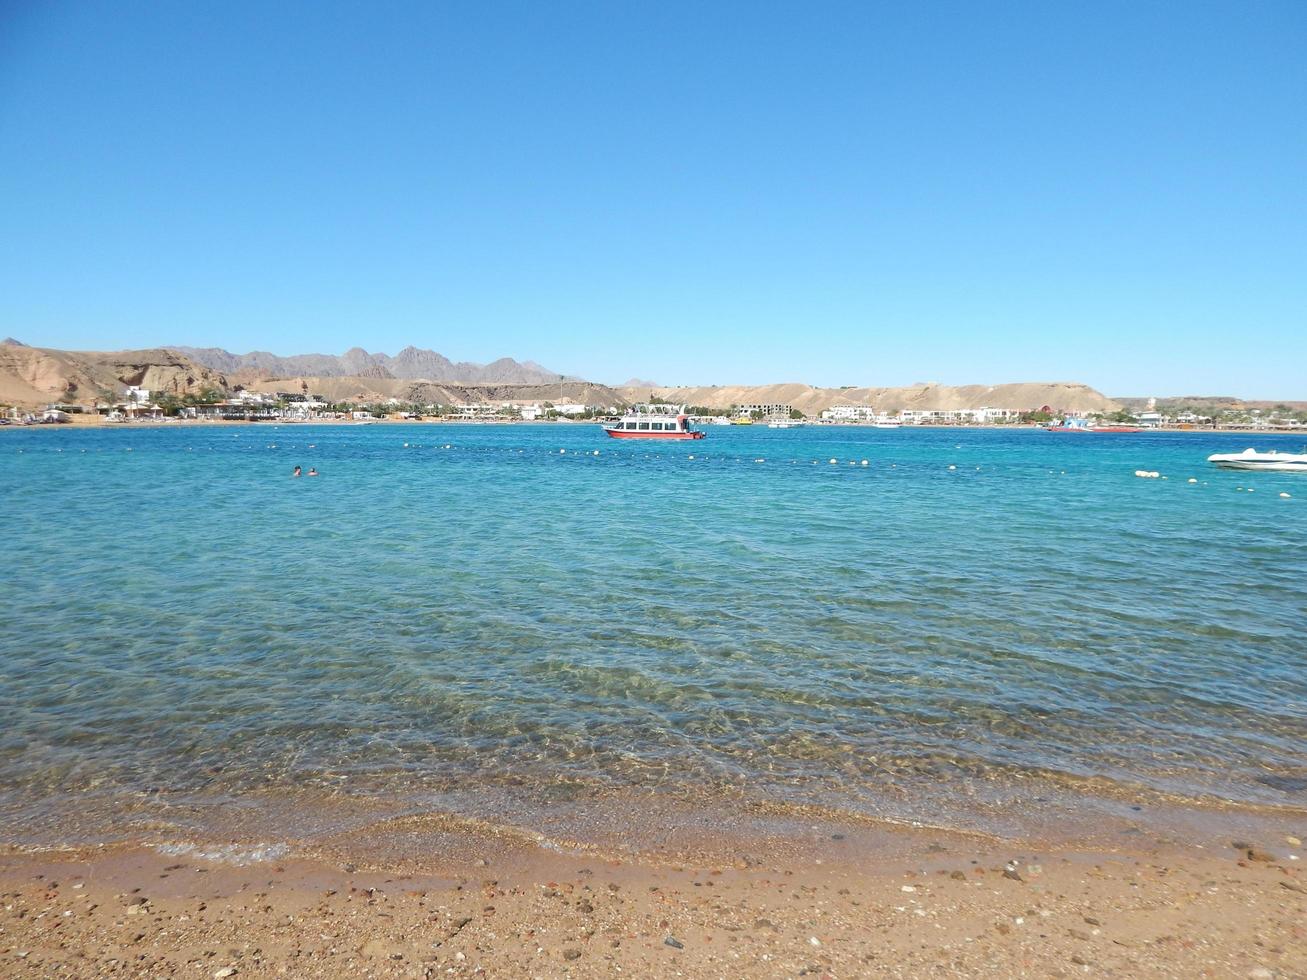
(428, 897)
(100, 422)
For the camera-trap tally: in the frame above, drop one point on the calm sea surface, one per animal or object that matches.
(452, 609)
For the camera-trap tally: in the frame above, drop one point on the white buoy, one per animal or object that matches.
(596, 452)
(692, 455)
(760, 461)
(864, 462)
(1193, 479)
(952, 467)
(561, 452)
(833, 462)
(406, 445)
(1285, 496)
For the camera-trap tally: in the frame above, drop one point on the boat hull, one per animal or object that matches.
(1092, 430)
(667, 436)
(1270, 465)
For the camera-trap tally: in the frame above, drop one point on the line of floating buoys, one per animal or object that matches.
(1148, 474)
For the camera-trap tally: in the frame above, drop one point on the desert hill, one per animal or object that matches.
(367, 389)
(37, 375)
(1025, 396)
(33, 376)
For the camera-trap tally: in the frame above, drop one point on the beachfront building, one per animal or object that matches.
(480, 412)
(991, 416)
(570, 408)
(850, 413)
(772, 410)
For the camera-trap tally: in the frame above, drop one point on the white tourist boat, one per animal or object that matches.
(654, 422)
(785, 424)
(1251, 459)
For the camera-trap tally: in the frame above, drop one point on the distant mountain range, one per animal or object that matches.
(410, 364)
(39, 375)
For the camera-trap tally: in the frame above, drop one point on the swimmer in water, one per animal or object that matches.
(312, 471)
(297, 472)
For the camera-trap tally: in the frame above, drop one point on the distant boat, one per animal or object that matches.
(654, 422)
(742, 420)
(785, 424)
(887, 424)
(1251, 459)
(1085, 426)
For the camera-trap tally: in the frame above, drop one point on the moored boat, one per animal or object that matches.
(1085, 426)
(1251, 459)
(654, 422)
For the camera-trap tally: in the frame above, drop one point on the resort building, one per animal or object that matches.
(767, 411)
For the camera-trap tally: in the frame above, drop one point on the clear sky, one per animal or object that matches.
(860, 193)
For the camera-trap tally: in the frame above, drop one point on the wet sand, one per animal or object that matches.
(426, 900)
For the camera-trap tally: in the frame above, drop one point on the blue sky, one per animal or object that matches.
(696, 193)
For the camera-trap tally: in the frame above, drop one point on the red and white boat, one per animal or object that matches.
(654, 422)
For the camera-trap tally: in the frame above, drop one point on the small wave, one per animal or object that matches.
(237, 854)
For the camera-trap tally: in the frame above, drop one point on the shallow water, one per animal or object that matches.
(481, 610)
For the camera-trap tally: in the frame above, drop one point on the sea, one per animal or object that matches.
(973, 628)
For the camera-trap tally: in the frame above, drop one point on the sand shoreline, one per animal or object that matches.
(100, 422)
(452, 901)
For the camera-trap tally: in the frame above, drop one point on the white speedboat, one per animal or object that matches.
(1251, 459)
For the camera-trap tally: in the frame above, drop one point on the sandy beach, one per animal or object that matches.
(658, 887)
(893, 903)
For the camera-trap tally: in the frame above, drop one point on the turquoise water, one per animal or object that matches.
(450, 608)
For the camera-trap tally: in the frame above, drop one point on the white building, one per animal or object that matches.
(850, 413)
(773, 410)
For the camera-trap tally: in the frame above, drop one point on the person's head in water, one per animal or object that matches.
(313, 471)
(297, 472)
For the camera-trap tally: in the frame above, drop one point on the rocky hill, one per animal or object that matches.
(33, 376)
(365, 390)
(1025, 396)
(410, 364)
